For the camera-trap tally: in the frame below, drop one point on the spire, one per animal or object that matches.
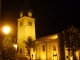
(25, 9)
(26, 5)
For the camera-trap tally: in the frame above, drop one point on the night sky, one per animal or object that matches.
(51, 16)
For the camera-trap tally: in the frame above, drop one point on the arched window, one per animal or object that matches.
(20, 50)
(17, 49)
(54, 48)
(43, 47)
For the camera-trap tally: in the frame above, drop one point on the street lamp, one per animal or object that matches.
(6, 29)
(15, 46)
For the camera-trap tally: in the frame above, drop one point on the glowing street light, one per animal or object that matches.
(6, 29)
(15, 46)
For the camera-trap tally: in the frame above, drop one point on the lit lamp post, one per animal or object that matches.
(15, 46)
(6, 29)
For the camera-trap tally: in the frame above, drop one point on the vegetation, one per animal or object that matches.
(71, 39)
(29, 44)
(7, 48)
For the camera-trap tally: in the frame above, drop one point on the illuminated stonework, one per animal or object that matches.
(48, 47)
(50, 51)
(26, 28)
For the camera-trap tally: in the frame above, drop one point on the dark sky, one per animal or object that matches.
(52, 16)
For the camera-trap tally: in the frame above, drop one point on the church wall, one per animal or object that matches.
(71, 57)
(21, 38)
(77, 54)
(48, 54)
(24, 31)
(30, 30)
(42, 53)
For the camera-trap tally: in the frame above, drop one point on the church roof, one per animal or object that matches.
(50, 37)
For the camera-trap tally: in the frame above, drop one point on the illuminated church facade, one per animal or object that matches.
(48, 47)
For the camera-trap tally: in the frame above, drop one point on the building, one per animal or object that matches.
(49, 47)
(26, 28)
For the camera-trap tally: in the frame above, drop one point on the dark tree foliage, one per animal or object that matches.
(8, 49)
(71, 38)
(30, 43)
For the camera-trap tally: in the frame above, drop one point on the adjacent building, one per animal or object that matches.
(48, 48)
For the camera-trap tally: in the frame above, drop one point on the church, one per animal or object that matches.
(48, 46)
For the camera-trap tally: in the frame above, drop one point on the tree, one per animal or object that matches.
(30, 44)
(7, 47)
(7, 43)
(71, 38)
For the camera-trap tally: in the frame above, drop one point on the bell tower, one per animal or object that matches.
(26, 28)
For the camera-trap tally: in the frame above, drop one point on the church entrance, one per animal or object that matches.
(55, 57)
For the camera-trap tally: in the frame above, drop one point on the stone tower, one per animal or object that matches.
(26, 28)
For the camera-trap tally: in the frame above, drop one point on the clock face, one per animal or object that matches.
(21, 14)
(29, 14)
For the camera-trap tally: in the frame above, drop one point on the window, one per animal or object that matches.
(54, 48)
(21, 23)
(29, 23)
(67, 57)
(17, 49)
(20, 50)
(43, 48)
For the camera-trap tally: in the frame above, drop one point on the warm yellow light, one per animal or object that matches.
(15, 46)
(6, 29)
(55, 57)
(55, 36)
(43, 56)
(71, 58)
